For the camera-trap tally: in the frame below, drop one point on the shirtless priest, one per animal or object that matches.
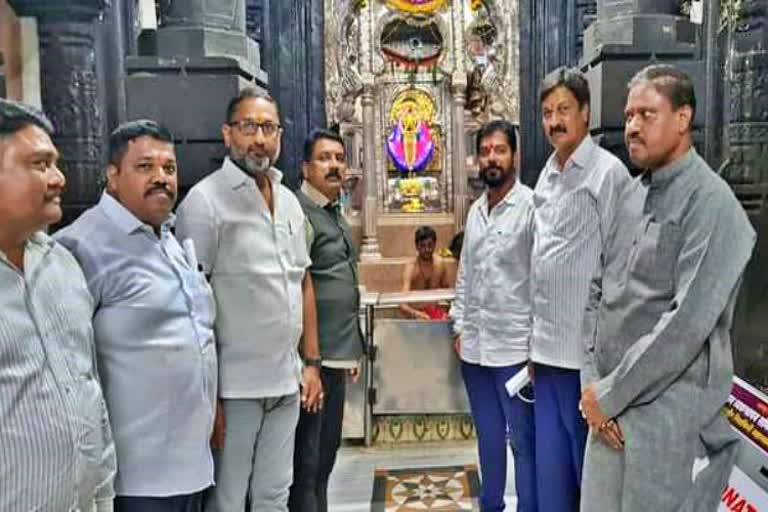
(426, 272)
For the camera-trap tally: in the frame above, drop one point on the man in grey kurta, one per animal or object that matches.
(660, 368)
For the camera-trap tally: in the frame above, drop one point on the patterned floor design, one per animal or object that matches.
(441, 489)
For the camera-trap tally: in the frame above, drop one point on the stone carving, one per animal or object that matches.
(412, 44)
(491, 56)
(477, 96)
(344, 82)
(587, 13)
(69, 91)
(254, 20)
(747, 131)
(685, 7)
(430, 30)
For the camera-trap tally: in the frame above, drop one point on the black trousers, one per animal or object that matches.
(182, 503)
(318, 437)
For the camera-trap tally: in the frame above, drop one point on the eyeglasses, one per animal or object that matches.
(248, 127)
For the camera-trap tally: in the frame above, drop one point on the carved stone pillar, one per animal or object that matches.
(458, 135)
(747, 128)
(459, 163)
(370, 245)
(746, 141)
(291, 36)
(69, 90)
(208, 28)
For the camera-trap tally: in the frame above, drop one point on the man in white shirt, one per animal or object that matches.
(250, 237)
(575, 200)
(492, 318)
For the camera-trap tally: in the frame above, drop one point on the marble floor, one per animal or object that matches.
(352, 479)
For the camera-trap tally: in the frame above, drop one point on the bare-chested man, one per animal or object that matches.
(425, 272)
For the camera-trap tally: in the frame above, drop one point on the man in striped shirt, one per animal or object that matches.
(574, 200)
(56, 450)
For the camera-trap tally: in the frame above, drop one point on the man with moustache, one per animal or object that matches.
(335, 281)
(153, 326)
(56, 450)
(575, 198)
(249, 233)
(492, 318)
(661, 365)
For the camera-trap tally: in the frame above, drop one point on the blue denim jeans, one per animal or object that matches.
(501, 419)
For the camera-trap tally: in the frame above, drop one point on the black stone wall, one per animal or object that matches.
(292, 53)
(551, 35)
(72, 91)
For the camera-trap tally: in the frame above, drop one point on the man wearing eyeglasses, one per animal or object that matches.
(249, 235)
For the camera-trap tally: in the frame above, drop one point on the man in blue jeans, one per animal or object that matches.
(492, 318)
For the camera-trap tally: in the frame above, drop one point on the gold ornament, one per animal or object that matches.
(416, 7)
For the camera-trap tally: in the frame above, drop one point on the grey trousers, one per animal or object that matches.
(256, 463)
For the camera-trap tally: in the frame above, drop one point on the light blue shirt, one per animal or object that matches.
(56, 450)
(492, 310)
(154, 338)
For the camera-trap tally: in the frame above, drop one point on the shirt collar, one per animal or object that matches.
(667, 173)
(39, 241)
(124, 219)
(42, 239)
(580, 156)
(315, 195)
(509, 199)
(237, 178)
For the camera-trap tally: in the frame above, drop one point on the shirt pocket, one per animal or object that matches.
(291, 237)
(511, 252)
(655, 256)
(573, 214)
(79, 356)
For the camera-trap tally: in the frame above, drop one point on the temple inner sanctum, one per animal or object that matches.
(409, 88)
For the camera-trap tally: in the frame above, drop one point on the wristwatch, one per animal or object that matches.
(313, 361)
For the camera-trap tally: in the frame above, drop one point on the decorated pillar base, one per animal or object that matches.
(369, 250)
